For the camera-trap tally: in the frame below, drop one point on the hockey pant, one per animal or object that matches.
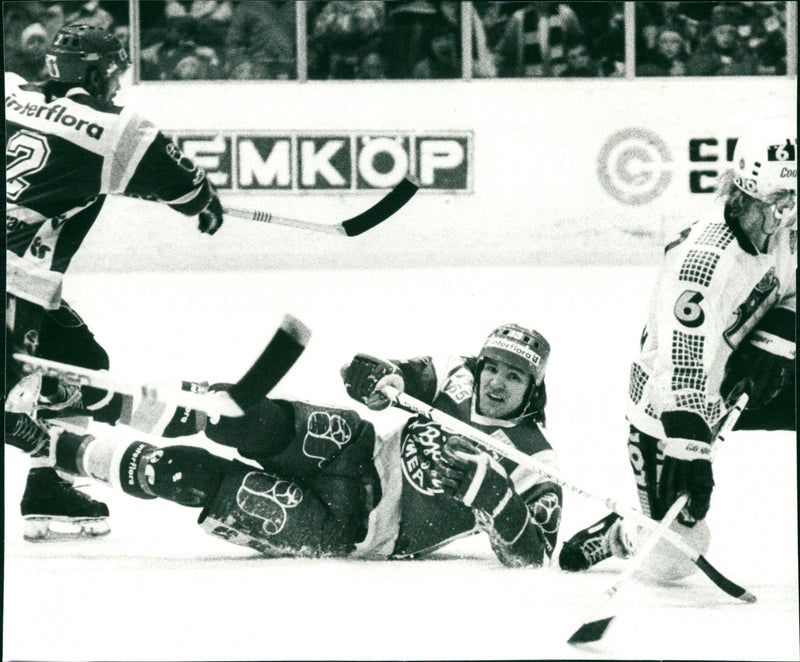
(58, 335)
(317, 487)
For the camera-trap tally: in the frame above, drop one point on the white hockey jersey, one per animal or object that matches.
(712, 289)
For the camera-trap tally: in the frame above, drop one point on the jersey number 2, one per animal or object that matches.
(26, 153)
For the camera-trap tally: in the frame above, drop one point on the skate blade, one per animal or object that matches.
(47, 529)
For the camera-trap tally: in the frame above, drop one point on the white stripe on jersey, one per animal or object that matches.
(28, 280)
(136, 134)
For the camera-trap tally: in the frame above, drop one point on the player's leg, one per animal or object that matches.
(325, 513)
(291, 438)
(50, 505)
(241, 503)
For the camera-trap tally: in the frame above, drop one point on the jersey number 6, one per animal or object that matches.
(688, 310)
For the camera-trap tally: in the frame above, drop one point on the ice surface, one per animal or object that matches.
(158, 588)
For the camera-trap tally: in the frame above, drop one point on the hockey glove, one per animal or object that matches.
(365, 375)
(480, 482)
(763, 365)
(687, 464)
(210, 218)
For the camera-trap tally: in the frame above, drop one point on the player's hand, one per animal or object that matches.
(471, 476)
(365, 376)
(211, 217)
(764, 363)
(686, 469)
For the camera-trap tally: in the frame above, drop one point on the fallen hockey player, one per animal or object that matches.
(318, 481)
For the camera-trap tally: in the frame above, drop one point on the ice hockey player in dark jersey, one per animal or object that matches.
(67, 148)
(721, 320)
(317, 481)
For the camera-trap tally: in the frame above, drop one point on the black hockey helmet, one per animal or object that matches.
(78, 48)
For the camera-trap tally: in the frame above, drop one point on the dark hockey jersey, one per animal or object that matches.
(427, 518)
(63, 157)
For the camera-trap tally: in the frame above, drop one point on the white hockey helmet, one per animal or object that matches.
(765, 162)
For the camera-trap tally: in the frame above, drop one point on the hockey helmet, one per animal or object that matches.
(77, 48)
(525, 349)
(765, 163)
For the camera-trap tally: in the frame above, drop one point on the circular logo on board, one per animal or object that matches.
(633, 166)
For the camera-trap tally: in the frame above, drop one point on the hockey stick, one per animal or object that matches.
(512, 453)
(280, 354)
(594, 628)
(352, 227)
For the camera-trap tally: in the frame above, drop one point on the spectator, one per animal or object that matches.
(262, 41)
(371, 66)
(25, 54)
(483, 63)
(442, 58)
(722, 52)
(213, 18)
(534, 38)
(90, 13)
(405, 37)
(340, 30)
(603, 24)
(160, 61)
(579, 62)
(771, 55)
(669, 58)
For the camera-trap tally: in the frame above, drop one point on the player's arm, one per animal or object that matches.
(692, 306)
(147, 164)
(522, 530)
(366, 375)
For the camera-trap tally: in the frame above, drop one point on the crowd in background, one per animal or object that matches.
(415, 39)
(710, 38)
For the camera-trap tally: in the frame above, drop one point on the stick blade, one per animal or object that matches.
(381, 210)
(275, 361)
(591, 631)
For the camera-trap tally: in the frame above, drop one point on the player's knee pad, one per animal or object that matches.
(666, 564)
(281, 517)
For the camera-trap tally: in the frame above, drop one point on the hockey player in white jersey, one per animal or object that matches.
(721, 320)
(67, 147)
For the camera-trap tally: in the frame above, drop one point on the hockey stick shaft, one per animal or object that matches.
(379, 212)
(594, 628)
(282, 351)
(512, 453)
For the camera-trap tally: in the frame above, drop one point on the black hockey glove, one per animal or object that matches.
(211, 217)
(764, 363)
(477, 480)
(687, 465)
(365, 375)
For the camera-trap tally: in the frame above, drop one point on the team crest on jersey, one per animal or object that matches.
(749, 312)
(420, 448)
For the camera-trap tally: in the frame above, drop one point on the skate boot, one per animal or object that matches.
(588, 547)
(27, 434)
(55, 510)
(23, 398)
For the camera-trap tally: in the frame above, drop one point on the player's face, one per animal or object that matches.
(502, 388)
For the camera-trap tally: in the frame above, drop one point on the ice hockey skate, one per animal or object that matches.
(588, 547)
(53, 509)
